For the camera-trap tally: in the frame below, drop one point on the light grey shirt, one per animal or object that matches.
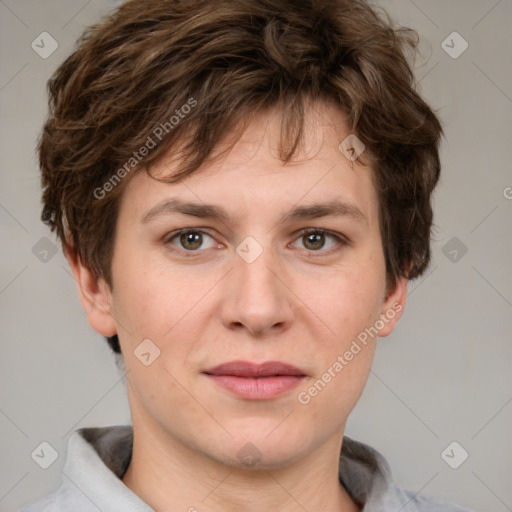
(97, 459)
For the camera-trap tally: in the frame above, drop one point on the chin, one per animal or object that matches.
(257, 449)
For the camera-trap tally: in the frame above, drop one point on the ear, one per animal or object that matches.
(94, 293)
(393, 306)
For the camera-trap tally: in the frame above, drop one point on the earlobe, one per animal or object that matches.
(393, 306)
(94, 294)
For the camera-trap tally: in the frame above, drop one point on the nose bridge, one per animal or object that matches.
(257, 297)
(256, 267)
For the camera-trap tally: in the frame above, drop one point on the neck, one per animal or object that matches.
(170, 476)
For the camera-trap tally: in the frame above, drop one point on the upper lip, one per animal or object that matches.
(248, 369)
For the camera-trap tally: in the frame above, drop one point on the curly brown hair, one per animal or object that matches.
(131, 76)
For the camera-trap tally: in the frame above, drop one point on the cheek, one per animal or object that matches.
(343, 359)
(145, 296)
(166, 306)
(353, 300)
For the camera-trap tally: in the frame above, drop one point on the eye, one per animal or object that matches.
(314, 239)
(190, 239)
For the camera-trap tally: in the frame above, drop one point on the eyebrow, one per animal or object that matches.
(208, 211)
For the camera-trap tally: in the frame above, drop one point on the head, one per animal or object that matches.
(245, 107)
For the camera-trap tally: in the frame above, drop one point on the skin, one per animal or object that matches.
(298, 302)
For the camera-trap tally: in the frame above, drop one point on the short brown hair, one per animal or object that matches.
(140, 66)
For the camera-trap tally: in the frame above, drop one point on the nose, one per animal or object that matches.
(256, 297)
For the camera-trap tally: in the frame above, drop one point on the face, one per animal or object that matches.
(250, 261)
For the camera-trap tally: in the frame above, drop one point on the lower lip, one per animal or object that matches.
(261, 388)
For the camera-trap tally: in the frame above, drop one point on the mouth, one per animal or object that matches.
(253, 370)
(256, 381)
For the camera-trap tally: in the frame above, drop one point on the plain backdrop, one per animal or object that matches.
(444, 376)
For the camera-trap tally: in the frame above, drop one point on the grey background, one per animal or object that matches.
(443, 376)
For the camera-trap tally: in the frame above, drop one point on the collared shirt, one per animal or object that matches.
(97, 459)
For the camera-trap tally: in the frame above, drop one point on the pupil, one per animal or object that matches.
(316, 239)
(191, 240)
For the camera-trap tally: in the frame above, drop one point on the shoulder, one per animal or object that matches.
(46, 504)
(367, 475)
(427, 503)
(64, 499)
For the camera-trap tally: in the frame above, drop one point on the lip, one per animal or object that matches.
(256, 381)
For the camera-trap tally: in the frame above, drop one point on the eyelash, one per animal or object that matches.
(341, 241)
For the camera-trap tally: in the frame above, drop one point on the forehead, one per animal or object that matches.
(251, 178)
